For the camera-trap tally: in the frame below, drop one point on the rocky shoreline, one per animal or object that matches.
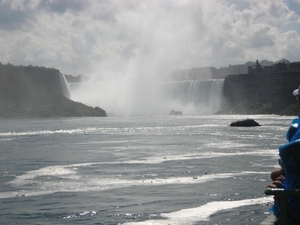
(58, 107)
(251, 108)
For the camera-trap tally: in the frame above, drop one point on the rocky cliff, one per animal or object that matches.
(262, 93)
(37, 92)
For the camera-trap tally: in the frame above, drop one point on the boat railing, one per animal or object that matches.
(282, 193)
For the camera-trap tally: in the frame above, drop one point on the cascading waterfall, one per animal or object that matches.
(205, 95)
(64, 86)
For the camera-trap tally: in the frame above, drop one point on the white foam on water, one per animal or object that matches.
(201, 213)
(53, 171)
(205, 155)
(48, 132)
(67, 179)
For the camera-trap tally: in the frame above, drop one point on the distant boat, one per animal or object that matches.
(172, 112)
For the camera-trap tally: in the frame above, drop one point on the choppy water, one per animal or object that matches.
(137, 170)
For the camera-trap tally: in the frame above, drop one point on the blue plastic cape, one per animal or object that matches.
(290, 156)
(294, 130)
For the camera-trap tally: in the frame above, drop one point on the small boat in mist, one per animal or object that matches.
(173, 112)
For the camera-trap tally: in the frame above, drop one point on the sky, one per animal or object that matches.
(125, 46)
(110, 38)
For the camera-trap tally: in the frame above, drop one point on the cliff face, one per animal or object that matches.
(37, 92)
(25, 84)
(261, 93)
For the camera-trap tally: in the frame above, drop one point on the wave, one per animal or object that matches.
(201, 213)
(48, 132)
(54, 179)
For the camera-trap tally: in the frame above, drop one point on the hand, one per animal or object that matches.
(277, 183)
(280, 178)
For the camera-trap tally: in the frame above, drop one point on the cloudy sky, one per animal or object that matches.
(130, 43)
(120, 36)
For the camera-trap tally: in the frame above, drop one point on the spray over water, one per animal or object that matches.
(151, 41)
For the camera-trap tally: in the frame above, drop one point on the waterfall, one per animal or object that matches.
(130, 97)
(204, 95)
(64, 86)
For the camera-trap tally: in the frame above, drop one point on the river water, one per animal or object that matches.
(138, 170)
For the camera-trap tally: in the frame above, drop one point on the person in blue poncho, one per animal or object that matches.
(294, 130)
(292, 134)
(290, 163)
(288, 176)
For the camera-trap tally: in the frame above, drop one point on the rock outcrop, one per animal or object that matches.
(245, 123)
(37, 92)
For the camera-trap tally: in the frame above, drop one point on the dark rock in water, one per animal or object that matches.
(172, 112)
(245, 123)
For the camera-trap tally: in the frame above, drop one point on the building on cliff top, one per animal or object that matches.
(258, 68)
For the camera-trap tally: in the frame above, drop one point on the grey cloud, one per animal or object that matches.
(262, 40)
(128, 51)
(271, 12)
(106, 12)
(81, 44)
(153, 35)
(60, 7)
(260, 36)
(11, 19)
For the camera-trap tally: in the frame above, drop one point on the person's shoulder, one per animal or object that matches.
(296, 120)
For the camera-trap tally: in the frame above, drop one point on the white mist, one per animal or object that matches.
(147, 43)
